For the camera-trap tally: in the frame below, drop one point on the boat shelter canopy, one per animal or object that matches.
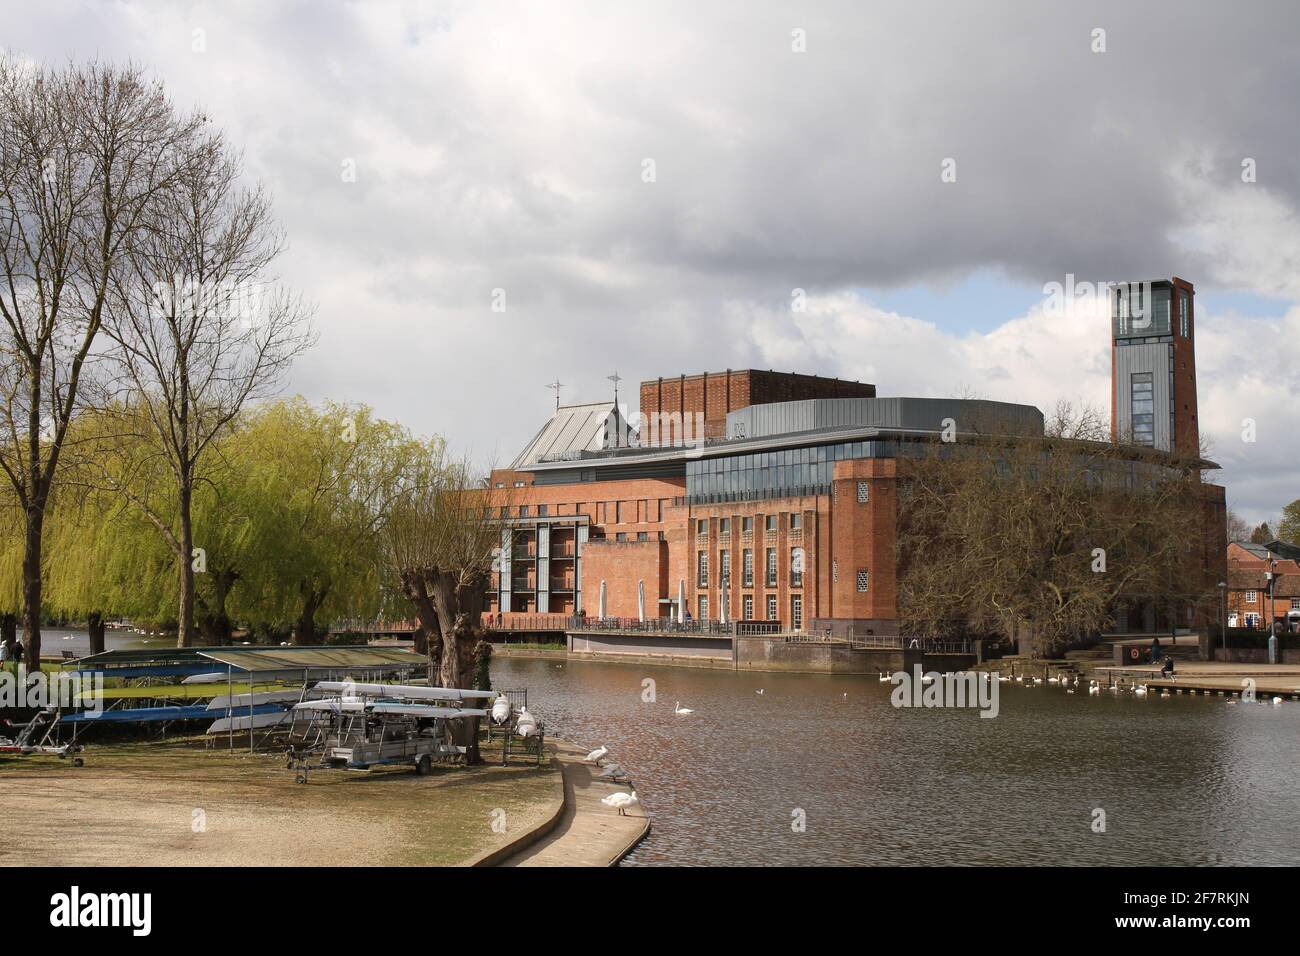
(313, 663)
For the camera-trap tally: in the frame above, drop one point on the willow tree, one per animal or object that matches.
(84, 153)
(1039, 539)
(104, 556)
(199, 327)
(319, 484)
(443, 535)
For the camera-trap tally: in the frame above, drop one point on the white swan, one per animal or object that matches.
(759, 692)
(680, 710)
(1140, 690)
(527, 725)
(1094, 690)
(1277, 701)
(595, 755)
(621, 801)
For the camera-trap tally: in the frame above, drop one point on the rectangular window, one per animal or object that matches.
(748, 567)
(796, 612)
(771, 567)
(835, 570)
(543, 510)
(703, 605)
(724, 526)
(771, 607)
(771, 522)
(1143, 409)
(864, 492)
(1295, 604)
(748, 608)
(746, 524)
(643, 536)
(621, 536)
(702, 526)
(702, 570)
(725, 566)
(796, 522)
(1250, 597)
(864, 579)
(523, 511)
(1184, 312)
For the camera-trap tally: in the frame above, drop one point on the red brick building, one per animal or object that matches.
(1249, 567)
(787, 515)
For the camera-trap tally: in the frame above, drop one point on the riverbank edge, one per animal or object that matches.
(497, 855)
(570, 758)
(668, 660)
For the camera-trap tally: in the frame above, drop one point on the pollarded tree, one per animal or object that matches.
(200, 329)
(443, 534)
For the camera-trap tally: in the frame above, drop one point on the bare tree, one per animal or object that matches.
(84, 152)
(1238, 529)
(1040, 539)
(200, 327)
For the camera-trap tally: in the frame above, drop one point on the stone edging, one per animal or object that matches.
(526, 839)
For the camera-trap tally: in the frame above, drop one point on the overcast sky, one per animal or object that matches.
(794, 146)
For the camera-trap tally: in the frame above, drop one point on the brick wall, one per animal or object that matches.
(716, 393)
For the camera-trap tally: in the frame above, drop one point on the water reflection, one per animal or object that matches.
(1183, 780)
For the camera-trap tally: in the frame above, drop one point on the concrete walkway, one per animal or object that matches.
(589, 833)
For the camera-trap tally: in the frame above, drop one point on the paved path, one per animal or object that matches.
(589, 833)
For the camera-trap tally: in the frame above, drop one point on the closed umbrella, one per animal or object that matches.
(601, 608)
(681, 601)
(640, 601)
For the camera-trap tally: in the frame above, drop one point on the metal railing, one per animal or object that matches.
(512, 621)
(654, 625)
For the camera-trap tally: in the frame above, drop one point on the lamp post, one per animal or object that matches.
(1223, 616)
(1272, 618)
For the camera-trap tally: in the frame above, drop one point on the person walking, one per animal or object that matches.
(1155, 650)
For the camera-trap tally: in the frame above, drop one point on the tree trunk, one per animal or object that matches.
(421, 638)
(95, 624)
(214, 622)
(8, 631)
(304, 631)
(32, 587)
(185, 615)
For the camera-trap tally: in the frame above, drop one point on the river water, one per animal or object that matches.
(1181, 780)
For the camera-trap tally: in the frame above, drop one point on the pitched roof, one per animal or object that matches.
(571, 430)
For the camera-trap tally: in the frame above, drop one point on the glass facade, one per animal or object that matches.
(1139, 310)
(1143, 409)
(775, 474)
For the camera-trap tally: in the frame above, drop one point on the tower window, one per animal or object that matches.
(1143, 409)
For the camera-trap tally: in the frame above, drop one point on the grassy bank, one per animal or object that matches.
(180, 804)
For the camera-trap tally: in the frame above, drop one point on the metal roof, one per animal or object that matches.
(572, 430)
(249, 658)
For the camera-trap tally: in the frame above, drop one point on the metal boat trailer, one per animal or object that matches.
(28, 742)
(362, 739)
